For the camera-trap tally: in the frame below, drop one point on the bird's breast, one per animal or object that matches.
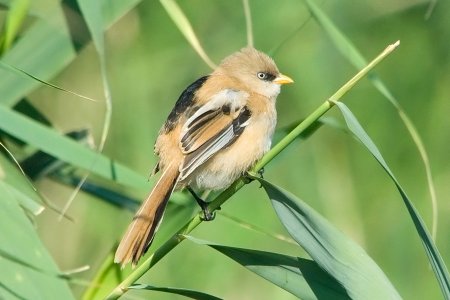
(226, 166)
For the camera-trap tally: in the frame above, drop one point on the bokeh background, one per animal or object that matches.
(149, 63)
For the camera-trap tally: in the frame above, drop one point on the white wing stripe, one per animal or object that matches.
(206, 153)
(236, 99)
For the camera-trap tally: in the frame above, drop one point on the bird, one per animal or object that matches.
(220, 126)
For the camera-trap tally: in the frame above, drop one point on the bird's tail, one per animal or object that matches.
(142, 229)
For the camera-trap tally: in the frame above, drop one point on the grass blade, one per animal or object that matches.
(46, 61)
(342, 258)
(28, 75)
(180, 20)
(176, 291)
(93, 15)
(28, 271)
(17, 12)
(19, 187)
(299, 276)
(436, 261)
(350, 52)
(53, 55)
(67, 149)
(108, 276)
(248, 22)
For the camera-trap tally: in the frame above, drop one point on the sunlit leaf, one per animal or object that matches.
(19, 187)
(350, 52)
(14, 19)
(177, 291)
(52, 56)
(28, 271)
(48, 59)
(66, 149)
(299, 276)
(183, 24)
(93, 15)
(337, 254)
(437, 263)
(32, 77)
(107, 277)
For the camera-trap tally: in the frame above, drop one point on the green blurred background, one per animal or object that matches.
(149, 63)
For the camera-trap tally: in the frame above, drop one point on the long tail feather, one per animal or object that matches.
(142, 229)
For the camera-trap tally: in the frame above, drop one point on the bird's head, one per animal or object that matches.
(256, 70)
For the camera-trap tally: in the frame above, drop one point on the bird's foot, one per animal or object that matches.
(207, 214)
(261, 173)
(250, 176)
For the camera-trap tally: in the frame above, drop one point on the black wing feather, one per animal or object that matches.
(184, 101)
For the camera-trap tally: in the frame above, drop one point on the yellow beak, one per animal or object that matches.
(283, 79)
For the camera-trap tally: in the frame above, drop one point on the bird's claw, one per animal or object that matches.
(261, 173)
(250, 176)
(208, 215)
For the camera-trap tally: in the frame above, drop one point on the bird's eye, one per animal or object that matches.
(266, 76)
(262, 75)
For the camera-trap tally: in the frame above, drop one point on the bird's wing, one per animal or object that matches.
(185, 101)
(214, 126)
